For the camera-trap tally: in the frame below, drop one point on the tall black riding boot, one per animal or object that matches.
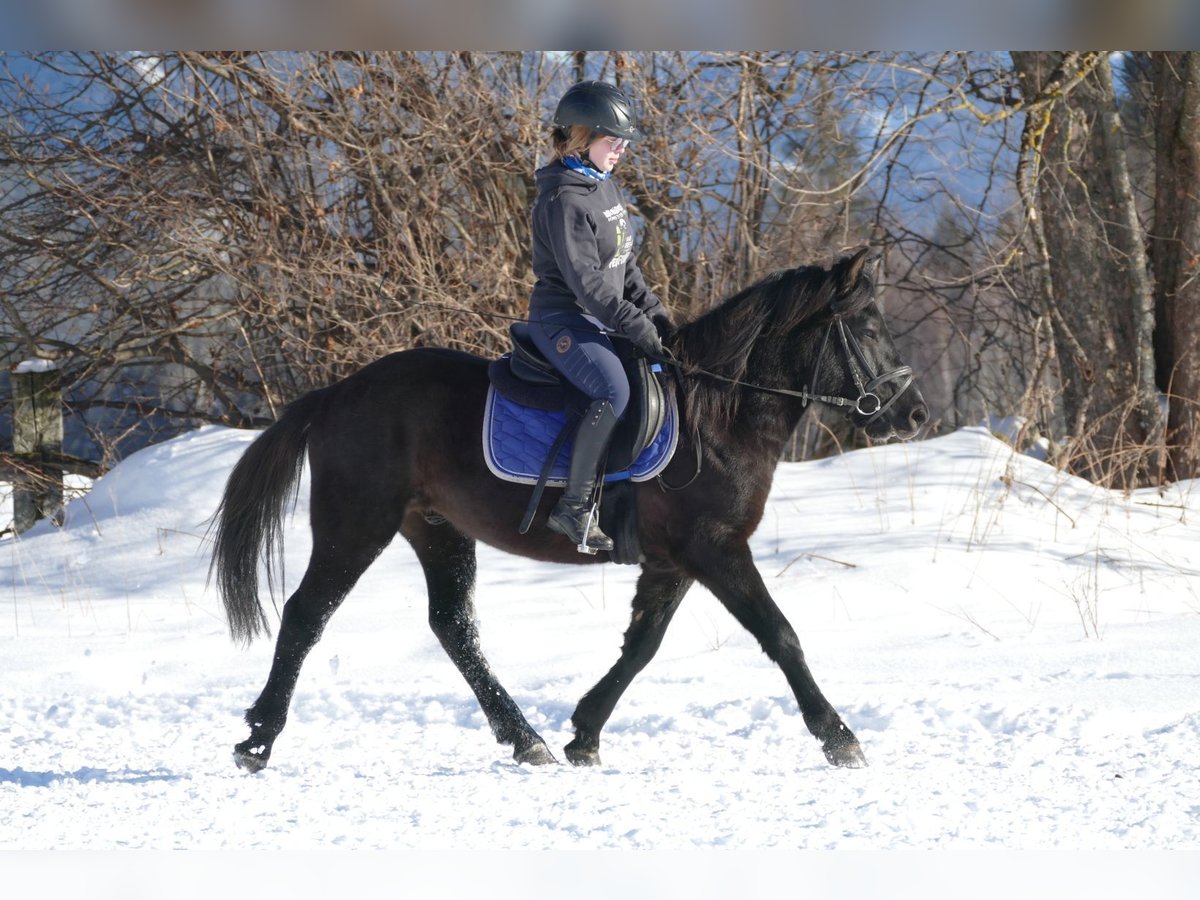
(574, 515)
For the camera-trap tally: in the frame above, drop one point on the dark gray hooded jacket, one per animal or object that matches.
(583, 254)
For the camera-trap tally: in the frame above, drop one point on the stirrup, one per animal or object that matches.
(583, 546)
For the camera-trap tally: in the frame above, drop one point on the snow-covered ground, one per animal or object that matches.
(1016, 649)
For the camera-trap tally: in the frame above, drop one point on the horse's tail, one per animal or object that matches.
(249, 520)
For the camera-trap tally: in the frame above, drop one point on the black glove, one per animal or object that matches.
(643, 335)
(663, 324)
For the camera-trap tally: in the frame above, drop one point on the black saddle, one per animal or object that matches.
(526, 377)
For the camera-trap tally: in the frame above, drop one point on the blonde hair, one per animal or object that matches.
(570, 141)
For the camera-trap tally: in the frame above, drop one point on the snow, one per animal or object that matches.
(1015, 648)
(29, 366)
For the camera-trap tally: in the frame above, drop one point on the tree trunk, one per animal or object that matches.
(1175, 244)
(1095, 284)
(37, 437)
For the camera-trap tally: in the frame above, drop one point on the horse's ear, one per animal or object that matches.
(854, 269)
(851, 273)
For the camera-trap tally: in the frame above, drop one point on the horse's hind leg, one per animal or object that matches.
(333, 569)
(658, 596)
(448, 558)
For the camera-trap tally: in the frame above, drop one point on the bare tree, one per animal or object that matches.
(1175, 248)
(204, 236)
(1095, 286)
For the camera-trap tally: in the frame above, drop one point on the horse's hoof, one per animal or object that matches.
(536, 754)
(251, 757)
(579, 756)
(845, 752)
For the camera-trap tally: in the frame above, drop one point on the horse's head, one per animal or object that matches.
(856, 357)
(808, 332)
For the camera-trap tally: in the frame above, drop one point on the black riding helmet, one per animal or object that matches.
(600, 106)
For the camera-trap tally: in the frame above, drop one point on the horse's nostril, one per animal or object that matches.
(919, 416)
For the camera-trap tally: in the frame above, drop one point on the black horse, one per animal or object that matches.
(396, 448)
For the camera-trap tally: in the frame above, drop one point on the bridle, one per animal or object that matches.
(866, 404)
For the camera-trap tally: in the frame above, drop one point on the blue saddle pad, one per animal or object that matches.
(517, 439)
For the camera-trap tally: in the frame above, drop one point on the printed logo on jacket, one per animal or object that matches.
(624, 235)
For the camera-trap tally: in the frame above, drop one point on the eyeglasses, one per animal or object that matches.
(617, 144)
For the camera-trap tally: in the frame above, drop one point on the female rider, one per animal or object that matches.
(588, 285)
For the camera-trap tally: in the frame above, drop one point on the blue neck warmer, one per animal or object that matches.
(575, 164)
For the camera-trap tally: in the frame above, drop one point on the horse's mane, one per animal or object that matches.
(722, 340)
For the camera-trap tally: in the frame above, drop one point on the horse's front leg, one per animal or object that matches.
(658, 596)
(730, 573)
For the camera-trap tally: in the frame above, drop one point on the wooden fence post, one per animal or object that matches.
(37, 437)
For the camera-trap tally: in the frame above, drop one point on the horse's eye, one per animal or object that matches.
(869, 334)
